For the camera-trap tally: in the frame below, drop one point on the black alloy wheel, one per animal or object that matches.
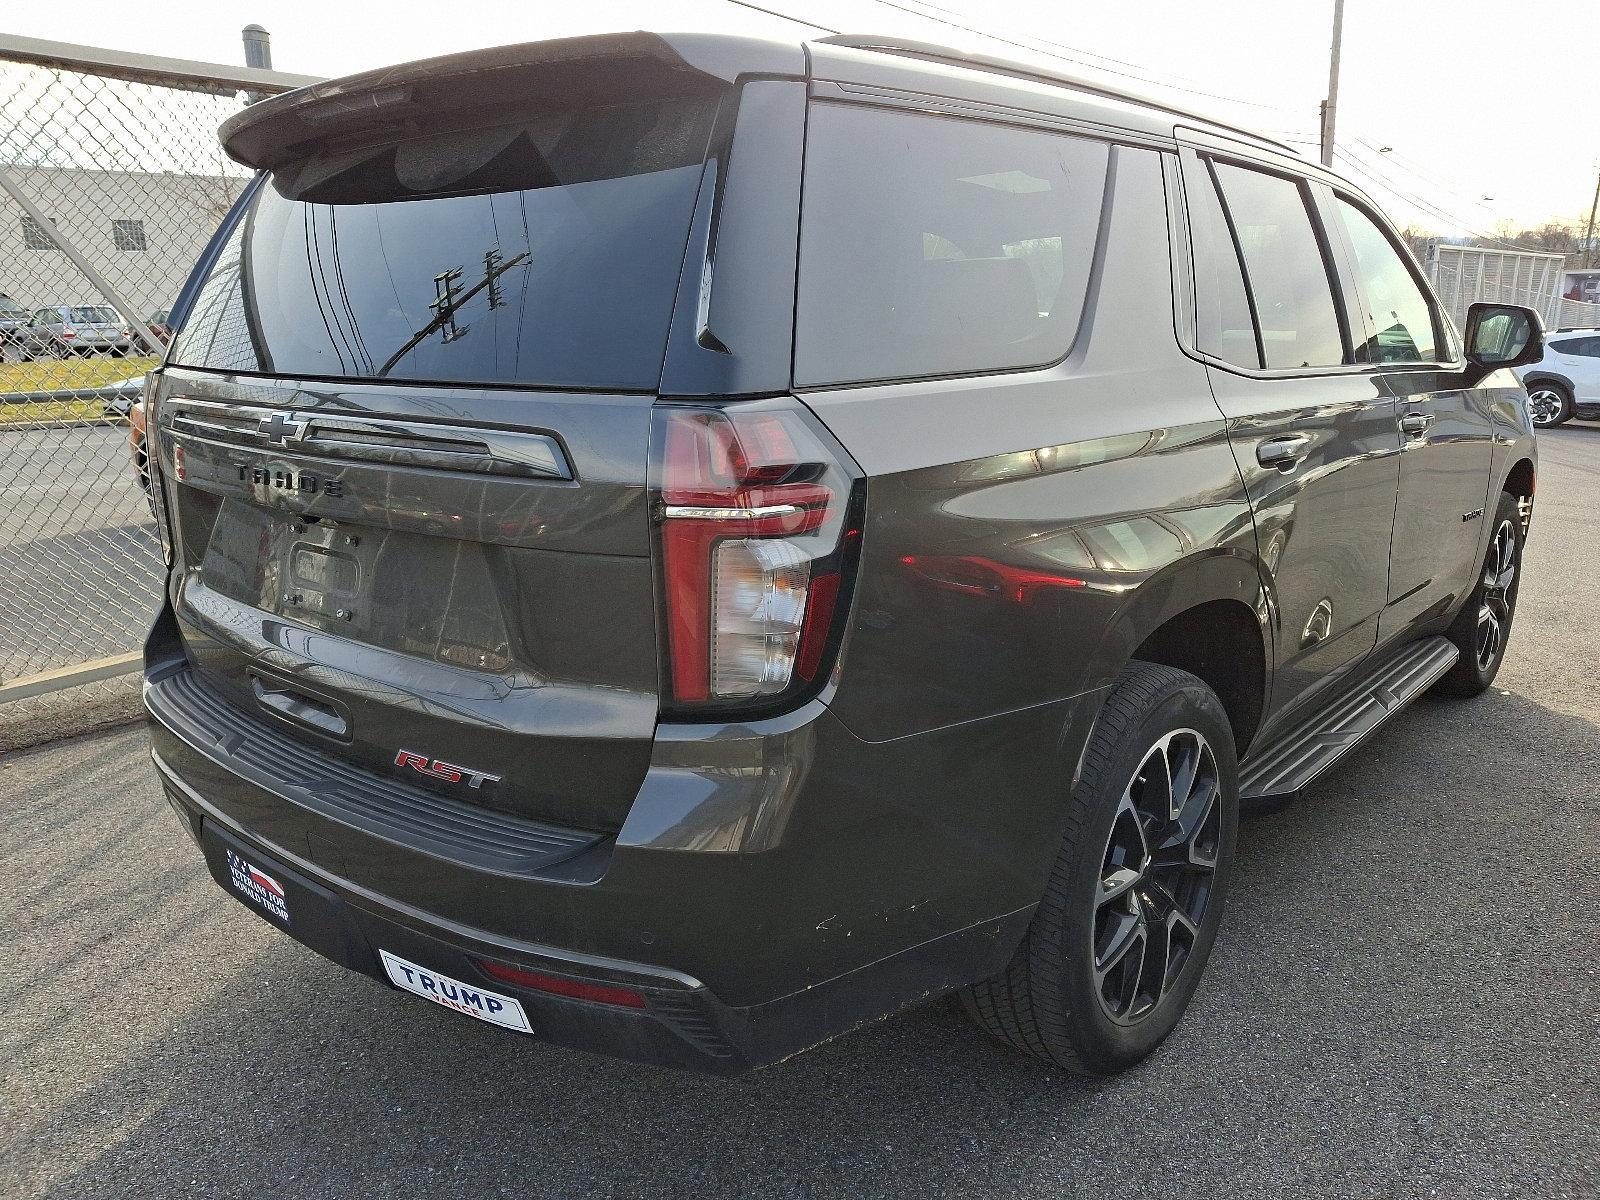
(1482, 629)
(1156, 875)
(1135, 895)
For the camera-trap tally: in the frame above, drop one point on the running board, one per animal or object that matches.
(1292, 760)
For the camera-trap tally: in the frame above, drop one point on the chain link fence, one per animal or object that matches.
(111, 184)
(1462, 275)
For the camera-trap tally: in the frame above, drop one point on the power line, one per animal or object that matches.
(772, 12)
(1387, 183)
(1080, 58)
(1076, 55)
(1069, 54)
(1390, 157)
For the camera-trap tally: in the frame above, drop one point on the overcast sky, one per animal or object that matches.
(1474, 98)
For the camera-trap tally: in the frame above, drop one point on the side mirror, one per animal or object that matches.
(1500, 336)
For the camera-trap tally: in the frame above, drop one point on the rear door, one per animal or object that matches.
(1314, 434)
(1447, 431)
(405, 433)
(1578, 358)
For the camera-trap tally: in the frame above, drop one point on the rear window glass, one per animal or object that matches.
(92, 316)
(940, 246)
(544, 252)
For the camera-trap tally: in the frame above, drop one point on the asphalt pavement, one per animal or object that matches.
(1404, 1001)
(78, 552)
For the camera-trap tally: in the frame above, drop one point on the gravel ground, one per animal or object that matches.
(1404, 1002)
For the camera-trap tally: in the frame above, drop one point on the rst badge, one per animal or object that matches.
(437, 768)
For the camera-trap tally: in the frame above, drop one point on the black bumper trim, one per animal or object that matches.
(399, 812)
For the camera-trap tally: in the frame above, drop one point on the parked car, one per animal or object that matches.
(839, 524)
(119, 399)
(159, 324)
(67, 330)
(1565, 383)
(12, 318)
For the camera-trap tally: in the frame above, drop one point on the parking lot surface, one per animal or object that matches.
(78, 551)
(1404, 1001)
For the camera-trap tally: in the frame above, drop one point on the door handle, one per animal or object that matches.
(296, 706)
(1415, 424)
(1282, 452)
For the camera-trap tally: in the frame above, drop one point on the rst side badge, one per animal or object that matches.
(437, 768)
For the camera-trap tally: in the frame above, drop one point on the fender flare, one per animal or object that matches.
(1230, 574)
(1221, 573)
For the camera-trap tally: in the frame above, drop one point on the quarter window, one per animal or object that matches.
(940, 246)
(1285, 270)
(1224, 327)
(1400, 325)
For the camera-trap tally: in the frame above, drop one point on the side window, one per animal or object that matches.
(1588, 347)
(939, 246)
(1399, 317)
(1224, 327)
(1284, 268)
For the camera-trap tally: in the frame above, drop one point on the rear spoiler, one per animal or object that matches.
(490, 86)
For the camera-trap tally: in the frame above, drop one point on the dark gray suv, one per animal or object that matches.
(681, 545)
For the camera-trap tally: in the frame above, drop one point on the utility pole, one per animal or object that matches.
(1332, 102)
(1588, 235)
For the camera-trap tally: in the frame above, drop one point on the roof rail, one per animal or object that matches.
(1038, 74)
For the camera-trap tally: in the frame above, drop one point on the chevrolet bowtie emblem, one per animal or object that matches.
(280, 428)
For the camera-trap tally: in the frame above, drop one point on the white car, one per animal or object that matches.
(1565, 383)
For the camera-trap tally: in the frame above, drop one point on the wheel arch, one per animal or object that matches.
(1205, 615)
(1519, 479)
(1535, 377)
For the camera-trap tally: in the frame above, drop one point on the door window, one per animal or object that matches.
(1400, 324)
(1588, 347)
(1285, 269)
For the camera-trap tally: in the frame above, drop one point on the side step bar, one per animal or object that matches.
(1295, 757)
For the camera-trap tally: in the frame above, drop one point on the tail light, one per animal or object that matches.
(757, 538)
(68, 333)
(152, 459)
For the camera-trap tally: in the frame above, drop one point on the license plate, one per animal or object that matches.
(492, 1007)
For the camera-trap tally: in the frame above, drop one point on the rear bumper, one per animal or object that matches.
(775, 884)
(682, 1024)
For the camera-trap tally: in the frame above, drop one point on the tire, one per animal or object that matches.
(1490, 609)
(1549, 404)
(1051, 1000)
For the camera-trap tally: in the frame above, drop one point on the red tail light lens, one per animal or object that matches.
(555, 985)
(752, 509)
